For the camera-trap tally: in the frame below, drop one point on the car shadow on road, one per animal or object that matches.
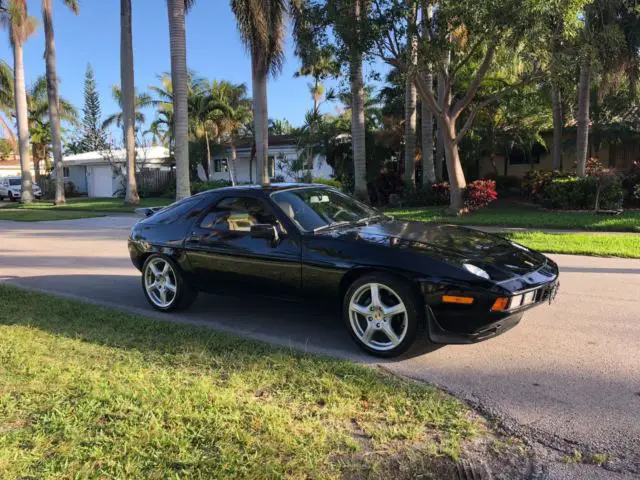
(317, 329)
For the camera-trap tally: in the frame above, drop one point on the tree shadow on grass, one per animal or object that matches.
(317, 330)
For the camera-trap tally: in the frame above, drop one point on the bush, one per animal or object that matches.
(574, 193)
(198, 186)
(636, 192)
(419, 197)
(332, 182)
(507, 186)
(479, 194)
(535, 182)
(630, 182)
(386, 183)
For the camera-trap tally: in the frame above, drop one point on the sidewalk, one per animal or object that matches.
(497, 229)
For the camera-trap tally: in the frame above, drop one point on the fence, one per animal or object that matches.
(155, 182)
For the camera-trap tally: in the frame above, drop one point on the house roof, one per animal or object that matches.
(143, 155)
(274, 141)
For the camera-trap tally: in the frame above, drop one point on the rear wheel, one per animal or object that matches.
(164, 285)
(382, 314)
(12, 198)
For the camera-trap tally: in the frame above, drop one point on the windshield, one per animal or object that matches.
(316, 208)
(15, 182)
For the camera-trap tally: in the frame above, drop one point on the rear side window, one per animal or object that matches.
(183, 210)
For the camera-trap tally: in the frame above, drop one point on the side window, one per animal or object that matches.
(181, 210)
(238, 214)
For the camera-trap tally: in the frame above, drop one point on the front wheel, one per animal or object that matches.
(12, 198)
(382, 314)
(164, 286)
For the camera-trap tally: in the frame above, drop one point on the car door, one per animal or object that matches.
(225, 256)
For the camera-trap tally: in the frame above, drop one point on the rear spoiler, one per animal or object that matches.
(147, 211)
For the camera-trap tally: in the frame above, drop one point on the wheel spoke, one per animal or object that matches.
(368, 334)
(390, 312)
(165, 270)
(163, 295)
(375, 295)
(170, 286)
(391, 335)
(154, 269)
(362, 310)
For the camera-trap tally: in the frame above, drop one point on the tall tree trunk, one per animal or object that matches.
(438, 163)
(357, 112)
(22, 120)
(410, 127)
(209, 165)
(252, 159)
(261, 122)
(52, 93)
(234, 158)
(128, 100)
(454, 166)
(180, 79)
(428, 166)
(556, 98)
(582, 142)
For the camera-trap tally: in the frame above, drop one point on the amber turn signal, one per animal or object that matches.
(500, 305)
(458, 300)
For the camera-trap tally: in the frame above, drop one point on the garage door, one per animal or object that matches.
(101, 182)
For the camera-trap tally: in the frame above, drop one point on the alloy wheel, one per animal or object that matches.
(378, 316)
(160, 282)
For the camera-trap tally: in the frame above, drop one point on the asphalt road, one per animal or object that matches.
(568, 376)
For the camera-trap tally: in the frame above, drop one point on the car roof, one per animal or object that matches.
(268, 189)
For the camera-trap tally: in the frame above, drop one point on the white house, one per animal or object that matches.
(101, 173)
(283, 149)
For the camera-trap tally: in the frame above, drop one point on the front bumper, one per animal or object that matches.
(484, 331)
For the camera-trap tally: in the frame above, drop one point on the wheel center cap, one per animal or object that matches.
(377, 315)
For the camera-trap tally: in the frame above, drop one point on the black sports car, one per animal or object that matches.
(313, 243)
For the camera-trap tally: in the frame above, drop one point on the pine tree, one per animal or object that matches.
(93, 136)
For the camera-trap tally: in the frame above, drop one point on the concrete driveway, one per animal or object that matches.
(567, 377)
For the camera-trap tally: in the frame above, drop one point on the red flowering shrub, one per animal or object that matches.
(479, 194)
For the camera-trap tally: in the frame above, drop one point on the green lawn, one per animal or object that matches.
(601, 245)
(87, 392)
(527, 218)
(28, 215)
(110, 205)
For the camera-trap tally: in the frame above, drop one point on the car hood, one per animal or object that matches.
(501, 258)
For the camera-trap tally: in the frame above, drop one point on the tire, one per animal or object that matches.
(369, 325)
(179, 298)
(12, 198)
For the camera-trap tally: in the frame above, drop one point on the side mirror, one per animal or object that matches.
(266, 231)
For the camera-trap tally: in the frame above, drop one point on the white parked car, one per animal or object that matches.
(11, 188)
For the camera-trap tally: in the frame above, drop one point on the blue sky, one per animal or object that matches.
(213, 51)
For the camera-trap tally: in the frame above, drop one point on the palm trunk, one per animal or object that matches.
(261, 120)
(22, 120)
(556, 98)
(357, 111)
(583, 116)
(52, 93)
(128, 100)
(209, 165)
(232, 167)
(438, 163)
(454, 166)
(428, 166)
(180, 79)
(410, 124)
(252, 159)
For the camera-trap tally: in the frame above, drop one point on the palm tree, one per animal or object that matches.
(231, 113)
(40, 124)
(128, 100)
(7, 103)
(177, 10)
(21, 26)
(142, 100)
(262, 27)
(52, 92)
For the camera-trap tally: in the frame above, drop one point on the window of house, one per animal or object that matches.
(518, 156)
(65, 171)
(220, 165)
(238, 214)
